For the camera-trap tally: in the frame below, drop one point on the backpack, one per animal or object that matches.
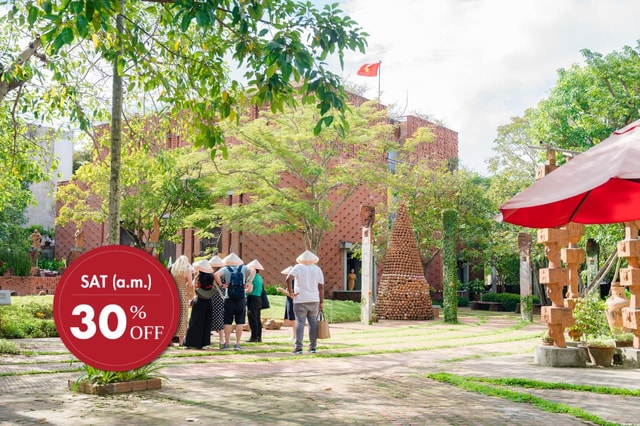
(235, 291)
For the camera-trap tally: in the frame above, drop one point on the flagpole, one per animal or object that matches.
(379, 72)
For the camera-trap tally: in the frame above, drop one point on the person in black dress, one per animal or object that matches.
(217, 303)
(199, 330)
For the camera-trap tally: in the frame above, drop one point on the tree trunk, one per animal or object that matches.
(116, 140)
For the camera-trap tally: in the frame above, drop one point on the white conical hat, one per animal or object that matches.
(307, 258)
(202, 265)
(216, 262)
(255, 264)
(233, 260)
(286, 270)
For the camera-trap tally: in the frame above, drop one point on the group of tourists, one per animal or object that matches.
(217, 295)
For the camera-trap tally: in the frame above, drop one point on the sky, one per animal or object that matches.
(475, 64)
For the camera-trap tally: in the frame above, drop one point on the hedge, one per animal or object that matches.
(509, 301)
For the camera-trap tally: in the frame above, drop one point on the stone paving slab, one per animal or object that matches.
(358, 388)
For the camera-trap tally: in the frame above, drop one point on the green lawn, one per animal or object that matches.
(32, 316)
(334, 310)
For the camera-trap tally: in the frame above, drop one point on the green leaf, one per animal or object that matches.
(202, 18)
(82, 25)
(121, 65)
(33, 14)
(77, 7)
(47, 7)
(89, 9)
(185, 22)
(65, 37)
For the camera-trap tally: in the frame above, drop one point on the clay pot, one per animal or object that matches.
(615, 303)
(601, 355)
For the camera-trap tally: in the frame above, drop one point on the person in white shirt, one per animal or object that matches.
(307, 297)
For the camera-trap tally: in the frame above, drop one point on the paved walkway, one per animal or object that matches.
(369, 375)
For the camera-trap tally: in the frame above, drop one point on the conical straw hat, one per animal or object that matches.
(216, 262)
(307, 258)
(233, 260)
(286, 270)
(255, 264)
(202, 265)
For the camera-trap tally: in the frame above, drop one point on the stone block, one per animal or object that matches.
(629, 276)
(550, 356)
(561, 236)
(572, 255)
(631, 318)
(629, 248)
(554, 275)
(556, 315)
(138, 385)
(570, 303)
(154, 383)
(630, 357)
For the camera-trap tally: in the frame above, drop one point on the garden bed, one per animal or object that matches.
(114, 388)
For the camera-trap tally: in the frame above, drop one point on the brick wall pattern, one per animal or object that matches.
(276, 252)
(29, 286)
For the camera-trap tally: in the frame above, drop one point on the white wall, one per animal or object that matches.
(58, 145)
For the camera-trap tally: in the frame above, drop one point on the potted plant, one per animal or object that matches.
(575, 333)
(623, 339)
(591, 321)
(546, 339)
(474, 288)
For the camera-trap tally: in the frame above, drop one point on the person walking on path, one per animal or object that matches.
(254, 303)
(307, 298)
(181, 273)
(289, 315)
(199, 331)
(235, 274)
(217, 303)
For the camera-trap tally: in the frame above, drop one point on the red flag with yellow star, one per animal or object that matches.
(369, 70)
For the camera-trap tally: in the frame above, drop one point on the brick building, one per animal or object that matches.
(276, 252)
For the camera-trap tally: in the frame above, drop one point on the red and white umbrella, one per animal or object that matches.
(601, 185)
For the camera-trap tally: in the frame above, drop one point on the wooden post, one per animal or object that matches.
(526, 297)
(367, 216)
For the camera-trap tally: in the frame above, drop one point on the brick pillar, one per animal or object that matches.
(557, 316)
(629, 248)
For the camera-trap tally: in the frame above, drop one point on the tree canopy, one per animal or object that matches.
(293, 180)
(200, 57)
(586, 105)
(156, 182)
(590, 101)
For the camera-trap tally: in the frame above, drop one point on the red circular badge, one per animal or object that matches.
(116, 308)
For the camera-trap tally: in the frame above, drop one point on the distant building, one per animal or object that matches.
(56, 145)
(276, 252)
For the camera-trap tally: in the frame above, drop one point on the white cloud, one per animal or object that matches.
(477, 63)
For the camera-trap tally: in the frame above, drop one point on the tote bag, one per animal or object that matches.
(323, 327)
(265, 299)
